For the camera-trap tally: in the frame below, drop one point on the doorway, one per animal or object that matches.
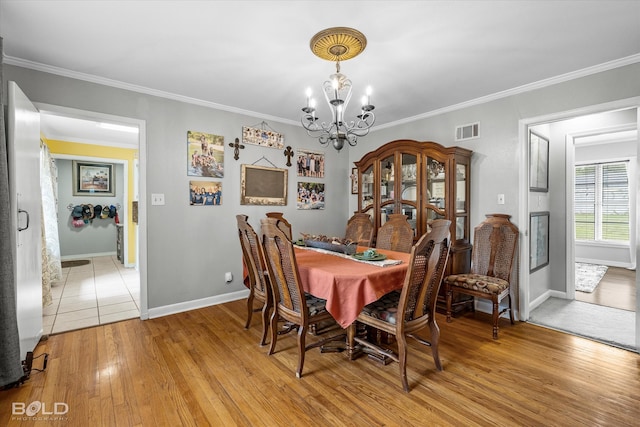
(556, 283)
(89, 136)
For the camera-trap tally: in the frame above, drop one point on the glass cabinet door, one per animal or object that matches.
(436, 183)
(387, 180)
(462, 207)
(366, 187)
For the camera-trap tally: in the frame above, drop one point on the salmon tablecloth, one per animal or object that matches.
(348, 285)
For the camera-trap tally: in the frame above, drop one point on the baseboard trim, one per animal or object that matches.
(85, 256)
(195, 304)
(545, 296)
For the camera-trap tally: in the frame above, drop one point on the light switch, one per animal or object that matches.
(157, 199)
(501, 199)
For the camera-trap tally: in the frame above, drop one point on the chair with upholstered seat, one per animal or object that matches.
(360, 229)
(291, 302)
(494, 250)
(396, 234)
(406, 312)
(283, 224)
(259, 288)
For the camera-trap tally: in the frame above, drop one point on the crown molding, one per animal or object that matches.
(606, 66)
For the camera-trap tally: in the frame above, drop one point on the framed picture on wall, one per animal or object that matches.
(354, 181)
(538, 240)
(538, 163)
(205, 193)
(93, 179)
(310, 195)
(261, 185)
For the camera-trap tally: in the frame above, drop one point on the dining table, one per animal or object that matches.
(349, 284)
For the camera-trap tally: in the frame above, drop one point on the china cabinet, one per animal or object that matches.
(424, 181)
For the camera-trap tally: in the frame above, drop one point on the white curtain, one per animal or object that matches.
(51, 265)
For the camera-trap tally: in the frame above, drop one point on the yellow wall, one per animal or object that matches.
(89, 150)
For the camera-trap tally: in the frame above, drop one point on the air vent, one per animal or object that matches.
(469, 131)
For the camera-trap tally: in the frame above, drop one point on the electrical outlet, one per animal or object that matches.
(228, 277)
(157, 199)
(501, 199)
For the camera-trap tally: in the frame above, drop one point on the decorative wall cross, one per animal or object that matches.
(236, 148)
(289, 153)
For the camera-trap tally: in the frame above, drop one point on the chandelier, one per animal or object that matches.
(338, 44)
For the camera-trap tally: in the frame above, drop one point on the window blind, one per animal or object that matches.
(601, 202)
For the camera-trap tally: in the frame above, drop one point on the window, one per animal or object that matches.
(602, 202)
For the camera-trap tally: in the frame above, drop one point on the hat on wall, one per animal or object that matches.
(86, 212)
(77, 212)
(77, 222)
(97, 211)
(105, 212)
(112, 211)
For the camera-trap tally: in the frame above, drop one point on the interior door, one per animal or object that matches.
(23, 131)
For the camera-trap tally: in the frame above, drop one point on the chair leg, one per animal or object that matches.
(435, 338)
(302, 331)
(273, 325)
(511, 310)
(449, 293)
(402, 360)
(265, 322)
(496, 317)
(249, 309)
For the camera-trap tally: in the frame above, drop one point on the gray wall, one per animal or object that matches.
(495, 165)
(190, 248)
(99, 236)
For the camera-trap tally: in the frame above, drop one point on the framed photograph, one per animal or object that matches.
(261, 185)
(538, 163)
(262, 137)
(205, 154)
(538, 240)
(310, 164)
(310, 195)
(205, 193)
(93, 179)
(354, 181)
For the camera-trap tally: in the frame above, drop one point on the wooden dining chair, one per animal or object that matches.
(259, 288)
(360, 229)
(291, 302)
(494, 249)
(283, 224)
(404, 313)
(396, 234)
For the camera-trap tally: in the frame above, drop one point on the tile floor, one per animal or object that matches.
(103, 291)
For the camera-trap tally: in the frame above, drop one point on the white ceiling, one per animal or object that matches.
(253, 56)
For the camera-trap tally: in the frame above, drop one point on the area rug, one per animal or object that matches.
(611, 326)
(75, 263)
(588, 276)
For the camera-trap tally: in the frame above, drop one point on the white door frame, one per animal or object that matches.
(523, 215)
(142, 183)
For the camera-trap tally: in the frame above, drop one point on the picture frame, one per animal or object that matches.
(93, 179)
(263, 186)
(205, 154)
(310, 164)
(538, 240)
(262, 137)
(310, 196)
(538, 163)
(205, 193)
(354, 181)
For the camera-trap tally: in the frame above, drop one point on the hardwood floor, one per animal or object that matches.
(617, 289)
(202, 368)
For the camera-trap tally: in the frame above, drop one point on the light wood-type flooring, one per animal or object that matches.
(202, 368)
(617, 289)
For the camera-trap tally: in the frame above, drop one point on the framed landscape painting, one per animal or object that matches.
(93, 179)
(538, 240)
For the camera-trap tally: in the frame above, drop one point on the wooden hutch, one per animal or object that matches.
(424, 181)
